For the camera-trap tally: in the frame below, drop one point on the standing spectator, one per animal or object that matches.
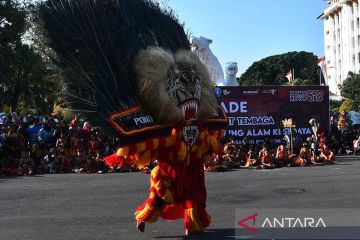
(75, 143)
(350, 125)
(32, 132)
(297, 143)
(357, 145)
(45, 136)
(61, 129)
(342, 125)
(334, 126)
(85, 133)
(94, 146)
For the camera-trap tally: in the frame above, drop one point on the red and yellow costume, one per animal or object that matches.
(177, 188)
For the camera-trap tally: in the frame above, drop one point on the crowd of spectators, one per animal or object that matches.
(343, 137)
(34, 145)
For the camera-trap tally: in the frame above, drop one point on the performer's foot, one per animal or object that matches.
(188, 232)
(140, 226)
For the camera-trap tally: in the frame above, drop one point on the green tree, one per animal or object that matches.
(335, 105)
(351, 87)
(300, 82)
(271, 70)
(24, 81)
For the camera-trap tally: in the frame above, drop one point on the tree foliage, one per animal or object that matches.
(24, 81)
(335, 105)
(351, 87)
(271, 70)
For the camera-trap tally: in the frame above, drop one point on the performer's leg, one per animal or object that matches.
(161, 193)
(195, 217)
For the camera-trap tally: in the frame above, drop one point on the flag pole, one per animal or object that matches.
(293, 74)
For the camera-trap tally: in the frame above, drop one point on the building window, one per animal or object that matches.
(327, 32)
(353, 42)
(328, 62)
(357, 22)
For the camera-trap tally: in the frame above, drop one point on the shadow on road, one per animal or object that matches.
(225, 233)
(8, 178)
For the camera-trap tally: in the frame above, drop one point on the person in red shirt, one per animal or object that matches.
(283, 155)
(326, 155)
(265, 159)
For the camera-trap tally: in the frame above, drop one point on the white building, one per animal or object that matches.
(342, 40)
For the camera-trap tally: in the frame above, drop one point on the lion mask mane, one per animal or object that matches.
(154, 68)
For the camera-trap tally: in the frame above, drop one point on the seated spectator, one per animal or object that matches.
(305, 157)
(357, 145)
(231, 157)
(251, 159)
(283, 156)
(100, 166)
(216, 164)
(346, 142)
(326, 155)
(334, 144)
(27, 164)
(265, 159)
(52, 163)
(79, 161)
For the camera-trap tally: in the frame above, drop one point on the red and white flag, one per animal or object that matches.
(289, 76)
(322, 64)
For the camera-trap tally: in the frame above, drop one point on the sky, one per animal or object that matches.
(245, 31)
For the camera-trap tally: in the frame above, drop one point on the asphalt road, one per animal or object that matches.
(82, 206)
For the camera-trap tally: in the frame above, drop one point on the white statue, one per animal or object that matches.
(231, 69)
(200, 46)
